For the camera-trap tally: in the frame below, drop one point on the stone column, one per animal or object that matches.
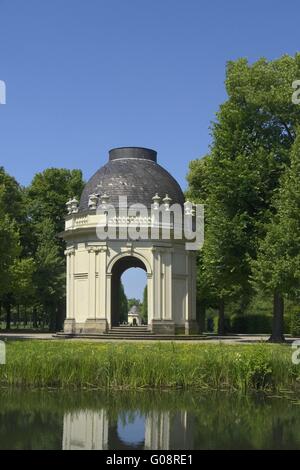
(102, 282)
(96, 322)
(108, 299)
(191, 326)
(92, 284)
(162, 322)
(70, 324)
(157, 285)
(167, 311)
(150, 299)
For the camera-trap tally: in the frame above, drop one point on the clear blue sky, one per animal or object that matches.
(84, 76)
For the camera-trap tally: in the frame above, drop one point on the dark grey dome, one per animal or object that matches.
(132, 172)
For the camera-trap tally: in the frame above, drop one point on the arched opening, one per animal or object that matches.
(125, 279)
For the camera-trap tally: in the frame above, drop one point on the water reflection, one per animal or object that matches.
(131, 430)
(155, 430)
(146, 420)
(85, 430)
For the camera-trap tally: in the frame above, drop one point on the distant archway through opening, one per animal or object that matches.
(128, 282)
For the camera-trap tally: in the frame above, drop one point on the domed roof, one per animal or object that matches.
(135, 173)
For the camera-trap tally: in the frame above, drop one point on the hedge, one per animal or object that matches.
(294, 318)
(251, 324)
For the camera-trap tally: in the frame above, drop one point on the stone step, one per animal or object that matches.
(129, 333)
(140, 337)
(124, 328)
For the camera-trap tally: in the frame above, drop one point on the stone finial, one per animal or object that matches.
(104, 199)
(74, 205)
(69, 206)
(167, 200)
(156, 201)
(93, 201)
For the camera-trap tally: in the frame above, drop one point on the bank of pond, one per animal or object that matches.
(82, 365)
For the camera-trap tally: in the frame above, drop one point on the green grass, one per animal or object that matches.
(63, 364)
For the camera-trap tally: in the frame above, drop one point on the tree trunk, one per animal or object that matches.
(60, 315)
(201, 310)
(277, 335)
(221, 322)
(52, 317)
(25, 317)
(34, 318)
(8, 315)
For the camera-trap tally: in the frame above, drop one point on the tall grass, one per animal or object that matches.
(63, 364)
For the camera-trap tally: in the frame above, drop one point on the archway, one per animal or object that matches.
(119, 267)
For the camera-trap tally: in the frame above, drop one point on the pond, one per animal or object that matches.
(147, 420)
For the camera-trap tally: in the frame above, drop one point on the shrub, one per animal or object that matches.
(227, 324)
(254, 324)
(295, 322)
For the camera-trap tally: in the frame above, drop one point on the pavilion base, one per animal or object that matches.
(70, 326)
(163, 327)
(95, 326)
(90, 326)
(191, 327)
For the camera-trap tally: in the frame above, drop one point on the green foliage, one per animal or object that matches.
(132, 302)
(227, 325)
(295, 321)
(149, 365)
(251, 149)
(22, 273)
(144, 310)
(251, 324)
(277, 264)
(48, 193)
(9, 251)
(32, 264)
(46, 200)
(50, 266)
(11, 197)
(123, 304)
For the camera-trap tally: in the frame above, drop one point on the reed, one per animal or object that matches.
(88, 365)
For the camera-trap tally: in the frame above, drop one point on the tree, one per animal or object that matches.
(32, 265)
(49, 276)
(48, 193)
(276, 269)
(46, 205)
(22, 285)
(123, 304)
(9, 252)
(144, 310)
(11, 197)
(252, 140)
(11, 218)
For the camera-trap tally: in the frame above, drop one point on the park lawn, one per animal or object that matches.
(87, 365)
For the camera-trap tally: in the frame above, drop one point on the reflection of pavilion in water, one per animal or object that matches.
(94, 430)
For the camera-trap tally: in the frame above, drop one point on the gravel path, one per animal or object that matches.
(231, 339)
